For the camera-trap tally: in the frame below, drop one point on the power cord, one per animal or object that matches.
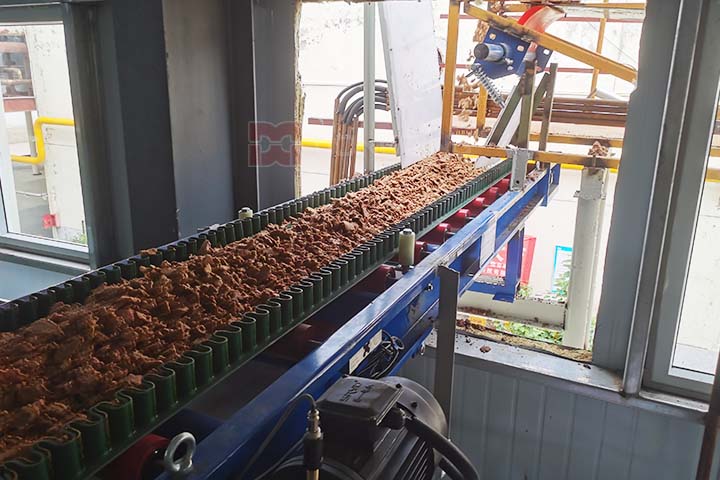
(278, 425)
(382, 360)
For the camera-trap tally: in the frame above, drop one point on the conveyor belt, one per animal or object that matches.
(113, 426)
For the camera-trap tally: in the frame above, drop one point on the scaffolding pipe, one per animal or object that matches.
(369, 87)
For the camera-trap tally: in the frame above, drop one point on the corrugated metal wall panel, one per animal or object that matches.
(520, 430)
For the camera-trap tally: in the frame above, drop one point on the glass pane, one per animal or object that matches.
(698, 337)
(41, 180)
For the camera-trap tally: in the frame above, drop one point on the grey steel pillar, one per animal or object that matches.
(369, 86)
(445, 363)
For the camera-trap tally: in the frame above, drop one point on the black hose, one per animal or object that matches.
(281, 421)
(443, 446)
(450, 469)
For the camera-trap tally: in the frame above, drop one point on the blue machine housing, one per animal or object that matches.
(512, 62)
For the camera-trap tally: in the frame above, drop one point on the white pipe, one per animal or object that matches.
(588, 226)
(369, 86)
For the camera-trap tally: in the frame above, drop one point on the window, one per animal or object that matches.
(42, 206)
(687, 336)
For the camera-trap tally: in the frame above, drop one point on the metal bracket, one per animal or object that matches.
(520, 158)
(447, 316)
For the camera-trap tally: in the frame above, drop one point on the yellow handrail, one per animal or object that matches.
(39, 140)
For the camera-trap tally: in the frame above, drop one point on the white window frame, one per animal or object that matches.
(684, 209)
(28, 15)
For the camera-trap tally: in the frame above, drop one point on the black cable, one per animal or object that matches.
(443, 446)
(281, 421)
(381, 360)
(450, 469)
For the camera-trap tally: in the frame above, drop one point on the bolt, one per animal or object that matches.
(429, 287)
(398, 386)
(414, 405)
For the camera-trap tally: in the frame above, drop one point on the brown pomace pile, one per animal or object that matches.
(54, 369)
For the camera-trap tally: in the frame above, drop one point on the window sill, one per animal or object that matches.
(68, 267)
(582, 379)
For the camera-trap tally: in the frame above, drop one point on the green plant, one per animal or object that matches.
(562, 283)
(524, 291)
(530, 332)
(80, 238)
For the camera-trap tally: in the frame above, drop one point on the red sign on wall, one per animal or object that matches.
(498, 265)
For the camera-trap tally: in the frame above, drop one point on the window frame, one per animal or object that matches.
(25, 12)
(684, 201)
(660, 371)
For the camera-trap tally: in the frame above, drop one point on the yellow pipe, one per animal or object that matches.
(598, 50)
(448, 93)
(39, 140)
(315, 143)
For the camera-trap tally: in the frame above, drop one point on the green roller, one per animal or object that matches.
(192, 246)
(221, 237)
(168, 253)
(94, 435)
(285, 300)
(275, 315)
(233, 334)
(248, 228)
(229, 233)
(36, 468)
(165, 388)
(318, 292)
(120, 419)
(144, 403)
(65, 455)
(184, 368)
(128, 270)
(307, 288)
(262, 318)
(212, 236)
(298, 303)
(335, 276)
(343, 264)
(249, 333)
(220, 352)
(202, 354)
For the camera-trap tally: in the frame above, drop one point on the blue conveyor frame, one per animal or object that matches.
(406, 309)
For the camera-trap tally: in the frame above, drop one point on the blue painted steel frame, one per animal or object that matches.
(409, 305)
(513, 269)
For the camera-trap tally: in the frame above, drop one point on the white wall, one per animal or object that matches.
(515, 429)
(51, 82)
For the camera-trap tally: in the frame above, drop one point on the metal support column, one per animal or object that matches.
(513, 270)
(369, 87)
(31, 140)
(449, 83)
(547, 109)
(527, 87)
(588, 225)
(447, 314)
